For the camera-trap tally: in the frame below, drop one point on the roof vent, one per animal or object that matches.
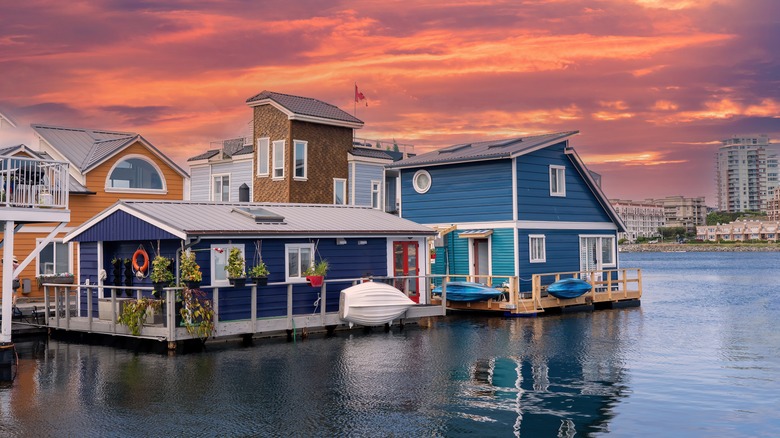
(505, 143)
(260, 215)
(455, 148)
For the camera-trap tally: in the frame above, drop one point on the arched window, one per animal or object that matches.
(135, 173)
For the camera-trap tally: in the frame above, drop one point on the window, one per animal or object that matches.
(339, 191)
(278, 159)
(557, 181)
(262, 156)
(421, 181)
(536, 248)
(300, 150)
(299, 258)
(135, 174)
(219, 255)
(55, 258)
(376, 201)
(220, 188)
(608, 251)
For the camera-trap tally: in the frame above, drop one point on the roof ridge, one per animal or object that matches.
(87, 130)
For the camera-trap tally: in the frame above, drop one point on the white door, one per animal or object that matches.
(589, 256)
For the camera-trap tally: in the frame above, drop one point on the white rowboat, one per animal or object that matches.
(371, 304)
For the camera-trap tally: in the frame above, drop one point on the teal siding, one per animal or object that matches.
(533, 194)
(471, 192)
(502, 252)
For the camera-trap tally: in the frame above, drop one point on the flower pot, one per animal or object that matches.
(260, 281)
(158, 288)
(192, 284)
(58, 279)
(237, 282)
(315, 280)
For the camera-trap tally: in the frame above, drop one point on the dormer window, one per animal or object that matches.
(135, 173)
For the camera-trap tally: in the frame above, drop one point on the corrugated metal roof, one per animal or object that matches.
(485, 150)
(371, 153)
(204, 156)
(77, 144)
(104, 148)
(306, 106)
(205, 218)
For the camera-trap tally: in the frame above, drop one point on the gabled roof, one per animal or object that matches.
(73, 186)
(4, 119)
(485, 150)
(86, 149)
(187, 219)
(306, 109)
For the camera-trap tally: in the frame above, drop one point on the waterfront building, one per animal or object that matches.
(357, 242)
(103, 167)
(642, 218)
(511, 207)
(773, 207)
(680, 211)
(740, 231)
(746, 173)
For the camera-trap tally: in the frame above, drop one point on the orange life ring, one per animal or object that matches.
(145, 256)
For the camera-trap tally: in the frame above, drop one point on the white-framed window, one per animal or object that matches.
(220, 188)
(137, 174)
(263, 148)
(219, 255)
(339, 191)
(55, 258)
(300, 150)
(299, 257)
(557, 180)
(537, 248)
(278, 159)
(376, 195)
(422, 181)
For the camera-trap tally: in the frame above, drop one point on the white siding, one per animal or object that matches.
(199, 183)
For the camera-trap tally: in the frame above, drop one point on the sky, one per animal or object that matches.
(651, 85)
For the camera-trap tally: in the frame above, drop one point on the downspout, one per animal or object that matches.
(178, 254)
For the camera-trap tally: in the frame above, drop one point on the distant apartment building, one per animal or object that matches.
(740, 231)
(642, 218)
(773, 207)
(746, 173)
(680, 211)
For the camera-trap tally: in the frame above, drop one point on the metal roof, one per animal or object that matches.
(485, 150)
(87, 148)
(371, 153)
(214, 219)
(306, 106)
(204, 156)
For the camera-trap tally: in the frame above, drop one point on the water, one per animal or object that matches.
(701, 357)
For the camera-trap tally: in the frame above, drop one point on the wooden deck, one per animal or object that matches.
(63, 302)
(610, 288)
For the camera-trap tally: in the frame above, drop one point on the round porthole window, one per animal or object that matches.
(421, 181)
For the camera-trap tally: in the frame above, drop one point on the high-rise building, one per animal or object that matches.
(746, 172)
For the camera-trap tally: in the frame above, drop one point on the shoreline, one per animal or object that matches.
(699, 247)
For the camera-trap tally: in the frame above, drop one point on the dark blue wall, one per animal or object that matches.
(120, 226)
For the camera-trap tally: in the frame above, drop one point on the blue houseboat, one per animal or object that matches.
(521, 213)
(357, 242)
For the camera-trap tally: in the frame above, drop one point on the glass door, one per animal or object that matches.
(405, 264)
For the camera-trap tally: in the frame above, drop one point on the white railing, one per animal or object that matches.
(26, 182)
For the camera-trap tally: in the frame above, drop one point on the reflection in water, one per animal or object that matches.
(689, 362)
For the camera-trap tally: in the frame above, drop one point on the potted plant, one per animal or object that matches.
(316, 273)
(135, 312)
(128, 276)
(235, 267)
(61, 278)
(197, 313)
(161, 274)
(259, 274)
(189, 270)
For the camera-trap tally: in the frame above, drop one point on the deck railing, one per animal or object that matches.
(26, 182)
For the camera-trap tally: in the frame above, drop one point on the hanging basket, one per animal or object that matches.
(237, 282)
(315, 280)
(260, 281)
(58, 279)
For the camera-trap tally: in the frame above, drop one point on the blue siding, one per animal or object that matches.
(562, 251)
(88, 271)
(122, 226)
(471, 192)
(364, 174)
(533, 194)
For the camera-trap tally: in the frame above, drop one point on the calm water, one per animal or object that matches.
(701, 357)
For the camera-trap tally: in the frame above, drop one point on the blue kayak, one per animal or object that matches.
(469, 292)
(568, 288)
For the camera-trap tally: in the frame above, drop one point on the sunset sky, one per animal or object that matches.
(652, 85)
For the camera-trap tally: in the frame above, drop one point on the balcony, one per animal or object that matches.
(33, 190)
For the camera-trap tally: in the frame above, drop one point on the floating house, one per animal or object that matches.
(512, 211)
(358, 243)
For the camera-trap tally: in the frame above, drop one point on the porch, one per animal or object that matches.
(33, 190)
(609, 288)
(237, 311)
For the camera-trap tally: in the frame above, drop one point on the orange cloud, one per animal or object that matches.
(647, 158)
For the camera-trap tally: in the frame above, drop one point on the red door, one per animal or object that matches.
(405, 264)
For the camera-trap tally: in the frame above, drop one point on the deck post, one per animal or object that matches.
(215, 297)
(88, 291)
(66, 291)
(609, 285)
(46, 304)
(113, 310)
(253, 308)
(289, 306)
(57, 306)
(323, 294)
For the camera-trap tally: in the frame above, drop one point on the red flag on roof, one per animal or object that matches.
(359, 96)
